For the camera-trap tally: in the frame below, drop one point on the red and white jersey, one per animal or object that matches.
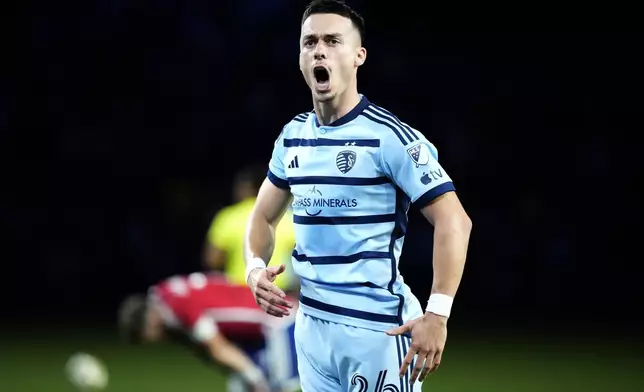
(204, 304)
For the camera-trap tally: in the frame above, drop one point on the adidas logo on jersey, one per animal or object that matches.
(294, 164)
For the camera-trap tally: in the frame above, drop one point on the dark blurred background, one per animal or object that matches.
(124, 122)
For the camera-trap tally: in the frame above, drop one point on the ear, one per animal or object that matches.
(361, 56)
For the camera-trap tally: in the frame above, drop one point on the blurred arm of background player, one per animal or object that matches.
(141, 320)
(227, 354)
(269, 208)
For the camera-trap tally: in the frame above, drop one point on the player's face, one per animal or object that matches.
(243, 190)
(330, 54)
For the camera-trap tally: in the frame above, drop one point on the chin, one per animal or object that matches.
(326, 96)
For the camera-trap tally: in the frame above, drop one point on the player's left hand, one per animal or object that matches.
(428, 337)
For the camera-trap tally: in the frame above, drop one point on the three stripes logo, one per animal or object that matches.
(363, 385)
(294, 164)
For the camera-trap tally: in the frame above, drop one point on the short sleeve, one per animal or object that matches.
(414, 168)
(276, 171)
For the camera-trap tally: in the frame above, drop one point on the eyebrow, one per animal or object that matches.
(331, 35)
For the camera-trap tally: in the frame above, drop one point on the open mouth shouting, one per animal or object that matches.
(322, 78)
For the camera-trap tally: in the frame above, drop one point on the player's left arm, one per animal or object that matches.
(414, 168)
(452, 228)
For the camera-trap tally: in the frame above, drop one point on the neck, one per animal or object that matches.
(329, 111)
(242, 198)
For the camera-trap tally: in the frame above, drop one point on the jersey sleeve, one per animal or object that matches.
(276, 169)
(414, 168)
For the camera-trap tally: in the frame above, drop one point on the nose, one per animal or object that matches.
(320, 51)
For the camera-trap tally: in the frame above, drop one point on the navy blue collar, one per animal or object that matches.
(355, 112)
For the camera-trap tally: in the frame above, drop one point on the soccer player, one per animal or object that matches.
(353, 169)
(224, 250)
(223, 320)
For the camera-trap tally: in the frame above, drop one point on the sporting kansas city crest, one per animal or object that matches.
(345, 161)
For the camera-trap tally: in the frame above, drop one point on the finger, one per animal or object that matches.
(269, 286)
(407, 361)
(418, 367)
(437, 361)
(271, 299)
(397, 331)
(427, 367)
(400, 330)
(273, 313)
(272, 309)
(424, 372)
(274, 271)
(274, 299)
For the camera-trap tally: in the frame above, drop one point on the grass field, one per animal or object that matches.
(34, 363)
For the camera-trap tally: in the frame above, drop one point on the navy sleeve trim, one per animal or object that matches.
(433, 193)
(278, 182)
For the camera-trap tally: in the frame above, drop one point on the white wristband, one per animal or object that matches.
(252, 264)
(440, 304)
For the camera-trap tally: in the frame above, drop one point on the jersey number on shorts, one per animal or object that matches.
(363, 385)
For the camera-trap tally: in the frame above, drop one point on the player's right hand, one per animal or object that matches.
(268, 296)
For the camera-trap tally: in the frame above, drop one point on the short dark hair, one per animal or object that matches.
(131, 318)
(337, 7)
(252, 174)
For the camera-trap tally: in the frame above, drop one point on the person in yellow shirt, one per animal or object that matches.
(224, 249)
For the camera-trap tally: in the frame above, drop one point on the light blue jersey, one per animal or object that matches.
(352, 184)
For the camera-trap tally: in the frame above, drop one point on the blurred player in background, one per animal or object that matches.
(353, 170)
(224, 248)
(223, 320)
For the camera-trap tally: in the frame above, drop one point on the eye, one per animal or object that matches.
(309, 42)
(334, 41)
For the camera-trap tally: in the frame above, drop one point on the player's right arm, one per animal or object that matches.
(272, 201)
(269, 208)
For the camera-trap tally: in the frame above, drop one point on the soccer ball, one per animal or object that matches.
(86, 372)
